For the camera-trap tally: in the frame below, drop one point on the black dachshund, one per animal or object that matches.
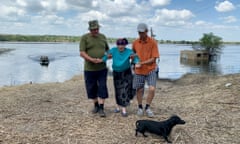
(162, 128)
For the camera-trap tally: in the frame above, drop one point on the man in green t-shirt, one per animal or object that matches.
(93, 46)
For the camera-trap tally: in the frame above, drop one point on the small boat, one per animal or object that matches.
(44, 60)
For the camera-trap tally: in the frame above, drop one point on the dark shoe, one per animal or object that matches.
(116, 110)
(95, 110)
(101, 113)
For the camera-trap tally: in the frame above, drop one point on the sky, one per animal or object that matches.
(169, 19)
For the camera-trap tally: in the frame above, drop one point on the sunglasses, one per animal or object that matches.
(141, 32)
(94, 29)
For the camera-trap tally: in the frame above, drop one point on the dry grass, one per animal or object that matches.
(58, 113)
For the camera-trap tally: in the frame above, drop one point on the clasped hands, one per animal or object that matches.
(96, 60)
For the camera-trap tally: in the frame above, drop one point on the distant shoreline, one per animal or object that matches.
(33, 42)
(66, 38)
(111, 41)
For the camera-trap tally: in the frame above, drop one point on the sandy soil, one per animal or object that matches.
(59, 113)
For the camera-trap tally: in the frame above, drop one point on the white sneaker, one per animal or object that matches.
(149, 113)
(140, 112)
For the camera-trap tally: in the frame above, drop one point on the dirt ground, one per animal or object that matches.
(59, 113)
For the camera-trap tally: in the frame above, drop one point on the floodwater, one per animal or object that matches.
(22, 65)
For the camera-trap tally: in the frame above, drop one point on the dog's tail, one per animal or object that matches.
(137, 123)
(136, 130)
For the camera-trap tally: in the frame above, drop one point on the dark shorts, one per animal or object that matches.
(96, 84)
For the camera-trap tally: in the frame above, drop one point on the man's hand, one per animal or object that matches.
(138, 65)
(96, 60)
(132, 56)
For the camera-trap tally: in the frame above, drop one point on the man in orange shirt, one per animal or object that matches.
(147, 50)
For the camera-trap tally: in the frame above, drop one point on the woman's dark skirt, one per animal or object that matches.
(123, 87)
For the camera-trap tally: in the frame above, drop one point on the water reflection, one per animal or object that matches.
(202, 66)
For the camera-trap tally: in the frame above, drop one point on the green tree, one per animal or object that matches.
(211, 43)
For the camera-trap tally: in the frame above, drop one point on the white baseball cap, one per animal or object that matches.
(142, 27)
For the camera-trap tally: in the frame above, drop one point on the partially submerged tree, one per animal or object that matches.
(211, 43)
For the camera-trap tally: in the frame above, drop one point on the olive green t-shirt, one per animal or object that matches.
(95, 47)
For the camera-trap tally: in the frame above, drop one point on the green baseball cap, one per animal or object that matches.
(93, 24)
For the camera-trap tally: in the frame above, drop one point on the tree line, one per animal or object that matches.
(65, 38)
(38, 38)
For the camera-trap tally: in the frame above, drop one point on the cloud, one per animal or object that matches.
(21, 3)
(11, 13)
(172, 17)
(229, 19)
(224, 6)
(92, 15)
(48, 20)
(212, 26)
(57, 5)
(118, 8)
(200, 23)
(117, 18)
(83, 5)
(156, 3)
